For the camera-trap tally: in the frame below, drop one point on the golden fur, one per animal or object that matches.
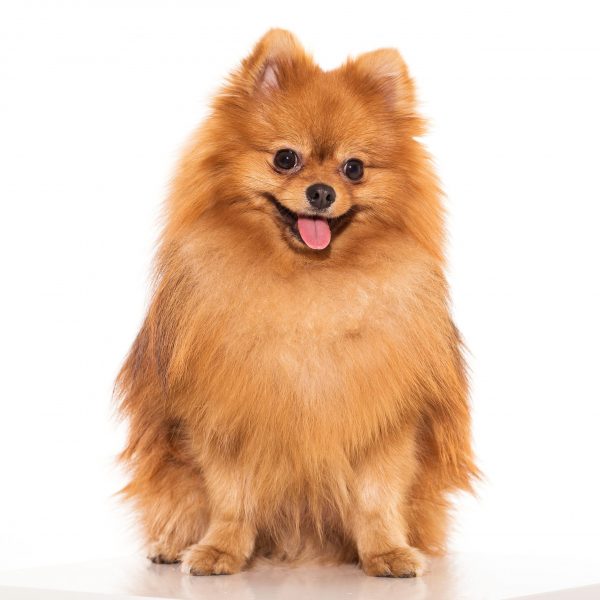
(287, 402)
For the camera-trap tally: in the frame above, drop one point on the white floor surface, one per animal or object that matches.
(456, 577)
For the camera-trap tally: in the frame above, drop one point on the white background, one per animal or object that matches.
(97, 98)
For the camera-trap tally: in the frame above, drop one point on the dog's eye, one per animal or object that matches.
(285, 159)
(353, 169)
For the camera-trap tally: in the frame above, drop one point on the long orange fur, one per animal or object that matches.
(286, 402)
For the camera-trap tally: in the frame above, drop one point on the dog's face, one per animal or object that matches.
(317, 157)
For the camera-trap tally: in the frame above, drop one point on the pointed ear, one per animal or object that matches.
(275, 53)
(389, 76)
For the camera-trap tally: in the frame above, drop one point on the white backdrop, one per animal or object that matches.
(97, 98)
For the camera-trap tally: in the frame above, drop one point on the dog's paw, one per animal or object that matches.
(200, 559)
(163, 554)
(399, 562)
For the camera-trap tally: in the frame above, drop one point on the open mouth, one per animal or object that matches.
(314, 231)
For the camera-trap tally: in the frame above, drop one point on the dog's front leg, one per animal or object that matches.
(379, 523)
(229, 540)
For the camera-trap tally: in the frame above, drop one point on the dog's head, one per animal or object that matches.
(319, 160)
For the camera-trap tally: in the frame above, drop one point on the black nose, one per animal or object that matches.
(320, 195)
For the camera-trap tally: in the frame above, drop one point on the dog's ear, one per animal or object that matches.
(387, 74)
(274, 58)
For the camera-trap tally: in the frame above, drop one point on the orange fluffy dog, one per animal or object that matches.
(297, 388)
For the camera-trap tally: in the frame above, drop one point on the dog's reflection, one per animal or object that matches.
(265, 581)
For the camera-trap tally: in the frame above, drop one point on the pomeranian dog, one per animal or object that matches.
(297, 389)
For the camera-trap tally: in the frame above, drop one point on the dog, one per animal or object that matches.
(297, 390)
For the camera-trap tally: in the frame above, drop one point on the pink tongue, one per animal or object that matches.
(314, 232)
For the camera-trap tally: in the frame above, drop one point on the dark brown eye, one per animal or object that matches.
(353, 169)
(285, 159)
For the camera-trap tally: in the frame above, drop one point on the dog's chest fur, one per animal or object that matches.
(317, 352)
